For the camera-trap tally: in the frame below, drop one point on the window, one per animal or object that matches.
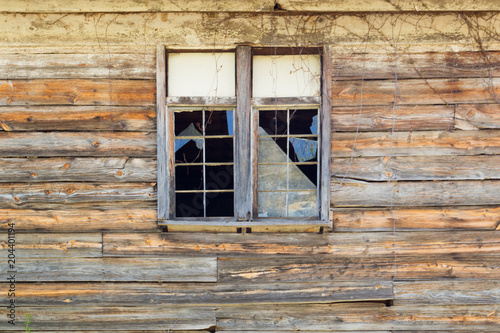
(243, 138)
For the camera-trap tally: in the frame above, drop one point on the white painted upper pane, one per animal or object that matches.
(201, 74)
(286, 76)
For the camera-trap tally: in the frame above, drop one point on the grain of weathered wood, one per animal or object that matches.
(29, 246)
(119, 218)
(77, 118)
(418, 168)
(44, 144)
(132, 294)
(338, 268)
(417, 91)
(326, 133)
(356, 317)
(99, 65)
(446, 218)
(77, 92)
(334, 244)
(447, 292)
(24, 195)
(113, 169)
(163, 137)
(381, 118)
(416, 194)
(411, 65)
(473, 117)
(116, 270)
(416, 143)
(107, 319)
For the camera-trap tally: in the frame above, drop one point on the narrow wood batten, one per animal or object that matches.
(164, 172)
(325, 133)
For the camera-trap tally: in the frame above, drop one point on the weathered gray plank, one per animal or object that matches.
(416, 65)
(29, 246)
(416, 194)
(416, 91)
(77, 118)
(356, 317)
(416, 143)
(77, 92)
(99, 318)
(116, 269)
(383, 118)
(478, 116)
(118, 218)
(334, 244)
(326, 133)
(338, 268)
(99, 65)
(447, 292)
(446, 218)
(132, 294)
(45, 144)
(163, 138)
(418, 168)
(30, 195)
(120, 169)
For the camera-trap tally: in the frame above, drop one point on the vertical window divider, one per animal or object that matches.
(325, 132)
(243, 162)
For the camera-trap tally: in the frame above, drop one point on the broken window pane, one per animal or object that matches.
(303, 204)
(303, 149)
(272, 204)
(273, 122)
(303, 122)
(219, 122)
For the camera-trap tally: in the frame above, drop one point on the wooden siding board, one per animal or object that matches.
(116, 270)
(356, 317)
(99, 65)
(77, 118)
(417, 91)
(117, 219)
(447, 292)
(475, 117)
(77, 92)
(424, 143)
(133, 294)
(60, 245)
(427, 218)
(381, 118)
(113, 318)
(282, 245)
(341, 268)
(415, 194)
(27, 195)
(64, 144)
(414, 168)
(61, 169)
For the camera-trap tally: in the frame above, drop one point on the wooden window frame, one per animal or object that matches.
(245, 161)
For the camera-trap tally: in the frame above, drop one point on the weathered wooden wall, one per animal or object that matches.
(415, 164)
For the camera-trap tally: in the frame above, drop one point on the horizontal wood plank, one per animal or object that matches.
(99, 65)
(77, 118)
(122, 319)
(417, 168)
(416, 65)
(59, 6)
(356, 317)
(119, 169)
(383, 118)
(132, 294)
(77, 92)
(48, 144)
(337, 268)
(334, 244)
(58, 245)
(415, 194)
(119, 218)
(417, 91)
(447, 292)
(401, 219)
(478, 116)
(116, 270)
(30, 195)
(416, 143)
